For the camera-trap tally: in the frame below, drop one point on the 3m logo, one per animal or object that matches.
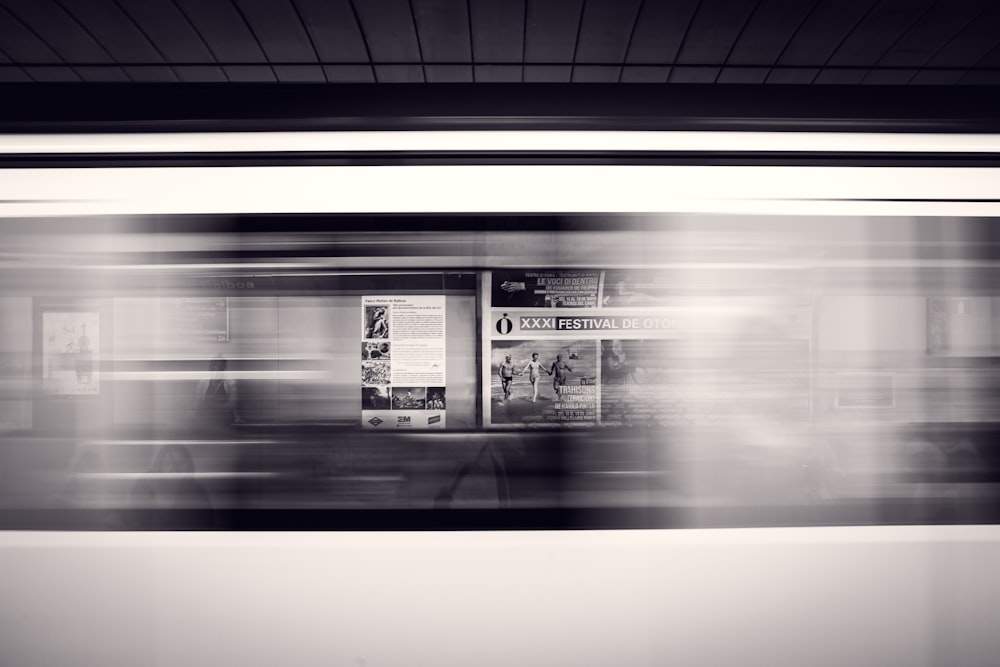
(436, 419)
(374, 421)
(403, 422)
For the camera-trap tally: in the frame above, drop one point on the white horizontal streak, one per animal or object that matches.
(519, 140)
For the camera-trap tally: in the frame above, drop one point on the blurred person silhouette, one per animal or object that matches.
(216, 398)
(168, 496)
(618, 367)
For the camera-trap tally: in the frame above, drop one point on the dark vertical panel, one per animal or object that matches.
(225, 31)
(714, 30)
(879, 30)
(389, 29)
(552, 31)
(497, 31)
(443, 28)
(771, 27)
(659, 31)
(605, 30)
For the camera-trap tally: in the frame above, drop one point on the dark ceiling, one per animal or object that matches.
(882, 42)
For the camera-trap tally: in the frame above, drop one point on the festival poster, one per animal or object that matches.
(71, 353)
(403, 362)
(641, 356)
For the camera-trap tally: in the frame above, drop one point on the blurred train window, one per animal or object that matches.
(612, 370)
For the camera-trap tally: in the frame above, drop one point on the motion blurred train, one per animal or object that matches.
(778, 440)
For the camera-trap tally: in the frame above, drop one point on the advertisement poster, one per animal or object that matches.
(403, 362)
(71, 353)
(626, 351)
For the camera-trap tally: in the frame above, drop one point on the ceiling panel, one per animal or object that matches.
(879, 31)
(59, 30)
(823, 31)
(498, 73)
(497, 34)
(714, 30)
(552, 29)
(224, 30)
(933, 32)
(645, 74)
(769, 30)
(605, 31)
(878, 42)
(390, 32)
(448, 73)
(443, 30)
(333, 30)
(22, 44)
(973, 42)
(165, 25)
(118, 34)
(660, 31)
(278, 29)
(596, 74)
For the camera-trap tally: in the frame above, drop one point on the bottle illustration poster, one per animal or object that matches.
(71, 353)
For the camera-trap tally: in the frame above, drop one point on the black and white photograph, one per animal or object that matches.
(531, 380)
(376, 398)
(377, 321)
(376, 373)
(545, 289)
(409, 398)
(376, 350)
(436, 398)
(679, 325)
